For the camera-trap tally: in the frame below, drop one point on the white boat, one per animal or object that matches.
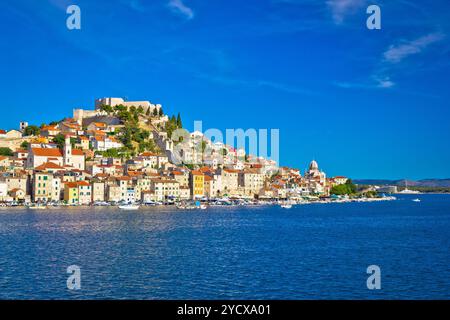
(37, 207)
(101, 204)
(416, 200)
(203, 207)
(408, 191)
(286, 206)
(129, 207)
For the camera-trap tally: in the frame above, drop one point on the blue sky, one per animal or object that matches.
(363, 103)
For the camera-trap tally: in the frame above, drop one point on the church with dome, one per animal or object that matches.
(316, 180)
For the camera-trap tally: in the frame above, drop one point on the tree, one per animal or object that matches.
(73, 142)
(121, 107)
(7, 152)
(59, 140)
(161, 113)
(107, 108)
(148, 112)
(147, 146)
(351, 186)
(25, 145)
(343, 189)
(32, 131)
(179, 122)
(155, 112)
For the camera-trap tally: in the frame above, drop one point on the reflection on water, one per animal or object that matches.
(314, 251)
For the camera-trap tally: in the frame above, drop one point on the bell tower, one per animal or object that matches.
(67, 151)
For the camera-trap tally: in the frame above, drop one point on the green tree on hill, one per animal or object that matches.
(7, 152)
(121, 107)
(59, 140)
(32, 131)
(179, 122)
(344, 189)
(25, 145)
(108, 109)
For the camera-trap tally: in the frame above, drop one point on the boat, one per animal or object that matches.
(37, 207)
(416, 200)
(101, 204)
(286, 206)
(408, 191)
(129, 207)
(203, 207)
(186, 207)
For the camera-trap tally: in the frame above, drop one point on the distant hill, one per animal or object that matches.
(401, 183)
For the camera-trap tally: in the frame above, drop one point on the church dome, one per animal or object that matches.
(313, 165)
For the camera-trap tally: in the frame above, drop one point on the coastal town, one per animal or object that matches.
(123, 153)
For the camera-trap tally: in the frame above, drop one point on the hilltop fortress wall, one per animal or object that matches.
(80, 114)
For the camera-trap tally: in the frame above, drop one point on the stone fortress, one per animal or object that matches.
(81, 114)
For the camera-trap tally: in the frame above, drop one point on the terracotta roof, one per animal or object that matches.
(71, 125)
(49, 165)
(77, 152)
(196, 173)
(96, 132)
(53, 152)
(148, 154)
(47, 152)
(77, 184)
(2, 132)
(50, 128)
(164, 181)
(71, 185)
(101, 175)
(100, 124)
(231, 170)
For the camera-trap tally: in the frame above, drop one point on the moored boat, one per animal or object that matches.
(129, 207)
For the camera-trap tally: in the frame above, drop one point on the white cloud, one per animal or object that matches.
(397, 53)
(384, 83)
(374, 83)
(179, 7)
(342, 8)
